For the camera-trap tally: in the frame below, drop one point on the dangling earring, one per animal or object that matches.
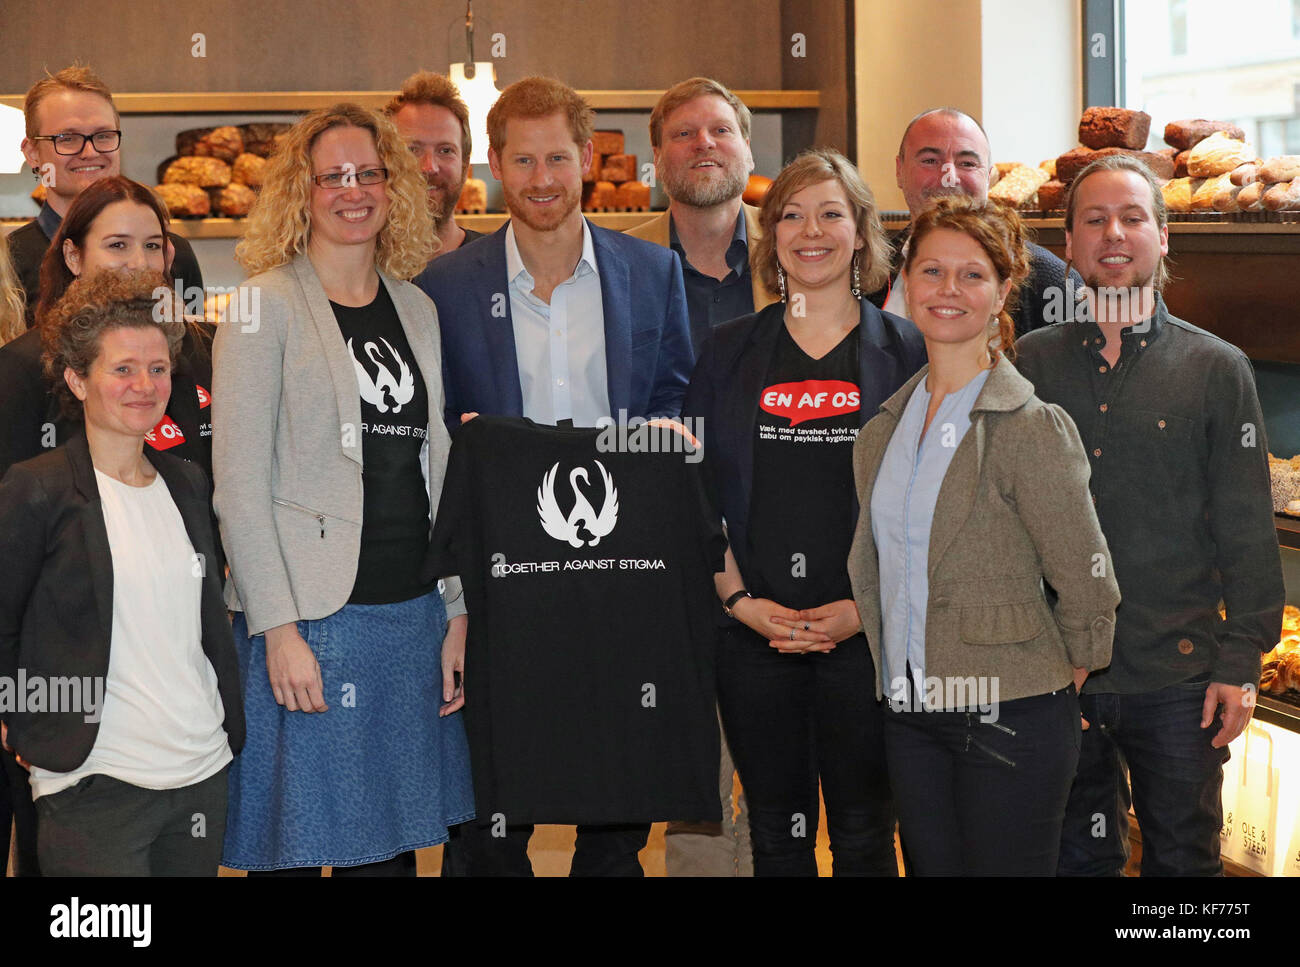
(857, 278)
(780, 280)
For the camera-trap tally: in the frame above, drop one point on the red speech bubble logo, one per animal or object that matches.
(811, 399)
(205, 398)
(165, 435)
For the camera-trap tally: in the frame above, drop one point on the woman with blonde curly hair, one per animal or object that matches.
(12, 303)
(328, 456)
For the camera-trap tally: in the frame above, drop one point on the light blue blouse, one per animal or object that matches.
(902, 510)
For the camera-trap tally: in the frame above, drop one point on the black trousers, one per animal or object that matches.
(794, 719)
(473, 850)
(403, 864)
(16, 807)
(984, 798)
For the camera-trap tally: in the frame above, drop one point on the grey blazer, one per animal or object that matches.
(286, 445)
(1013, 510)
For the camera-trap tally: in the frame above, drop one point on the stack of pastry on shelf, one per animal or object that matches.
(1284, 476)
(610, 183)
(1281, 671)
(217, 171)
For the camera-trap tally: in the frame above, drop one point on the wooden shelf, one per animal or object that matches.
(1288, 530)
(243, 102)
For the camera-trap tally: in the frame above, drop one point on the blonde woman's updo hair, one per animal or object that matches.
(998, 230)
(279, 226)
(812, 167)
(72, 331)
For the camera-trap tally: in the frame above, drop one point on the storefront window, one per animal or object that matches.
(1178, 63)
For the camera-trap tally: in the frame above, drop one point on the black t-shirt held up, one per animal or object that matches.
(394, 425)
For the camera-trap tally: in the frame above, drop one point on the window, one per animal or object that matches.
(1177, 27)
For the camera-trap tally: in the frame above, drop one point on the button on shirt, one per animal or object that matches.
(710, 301)
(1175, 438)
(902, 510)
(561, 346)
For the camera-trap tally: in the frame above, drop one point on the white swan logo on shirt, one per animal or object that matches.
(582, 521)
(385, 391)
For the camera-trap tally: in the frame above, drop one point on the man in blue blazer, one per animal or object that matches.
(551, 317)
(557, 320)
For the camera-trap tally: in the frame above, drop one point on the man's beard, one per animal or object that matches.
(442, 203)
(519, 207)
(705, 192)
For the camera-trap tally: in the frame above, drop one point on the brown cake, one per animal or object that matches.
(632, 194)
(607, 142)
(1114, 127)
(1051, 196)
(184, 200)
(204, 172)
(1184, 134)
(599, 195)
(260, 138)
(619, 168)
(186, 140)
(249, 170)
(235, 200)
(1072, 162)
(224, 142)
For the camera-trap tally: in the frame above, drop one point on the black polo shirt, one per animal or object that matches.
(710, 301)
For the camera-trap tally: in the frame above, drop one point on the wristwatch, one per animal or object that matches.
(731, 602)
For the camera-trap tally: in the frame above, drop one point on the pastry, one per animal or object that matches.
(1114, 127)
(632, 195)
(1217, 155)
(473, 197)
(592, 172)
(1051, 196)
(619, 168)
(184, 200)
(224, 142)
(1225, 194)
(186, 140)
(598, 195)
(1285, 167)
(607, 142)
(1018, 186)
(234, 201)
(1204, 195)
(261, 137)
(1178, 193)
(1251, 197)
(1243, 175)
(249, 170)
(204, 172)
(1180, 164)
(1049, 166)
(1184, 134)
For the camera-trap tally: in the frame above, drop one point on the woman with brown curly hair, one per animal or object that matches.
(330, 368)
(782, 394)
(112, 600)
(973, 493)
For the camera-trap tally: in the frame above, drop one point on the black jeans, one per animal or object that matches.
(790, 720)
(1177, 784)
(984, 798)
(16, 804)
(105, 827)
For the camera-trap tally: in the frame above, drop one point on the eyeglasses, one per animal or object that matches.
(346, 179)
(69, 143)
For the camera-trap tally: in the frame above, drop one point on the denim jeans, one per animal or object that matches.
(984, 798)
(794, 719)
(1153, 743)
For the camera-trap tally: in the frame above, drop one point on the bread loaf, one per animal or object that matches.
(184, 200)
(1244, 174)
(186, 140)
(1051, 196)
(632, 194)
(619, 168)
(1285, 167)
(473, 197)
(1184, 134)
(1049, 166)
(224, 142)
(592, 171)
(248, 169)
(1180, 164)
(260, 138)
(1114, 127)
(1205, 193)
(235, 200)
(1018, 186)
(1284, 196)
(1218, 155)
(204, 172)
(599, 194)
(1225, 196)
(607, 142)
(1072, 162)
(1178, 193)
(1251, 197)
(162, 168)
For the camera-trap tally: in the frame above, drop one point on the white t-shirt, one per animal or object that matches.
(161, 718)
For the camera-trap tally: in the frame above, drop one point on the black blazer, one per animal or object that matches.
(729, 377)
(56, 593)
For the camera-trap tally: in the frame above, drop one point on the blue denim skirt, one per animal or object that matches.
(376, 775)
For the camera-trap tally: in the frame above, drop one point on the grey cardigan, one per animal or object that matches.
(286, 445)
(1013, 510)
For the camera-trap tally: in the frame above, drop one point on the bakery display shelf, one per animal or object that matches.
(1280, 710)
(1288, 530)
(244, 102)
